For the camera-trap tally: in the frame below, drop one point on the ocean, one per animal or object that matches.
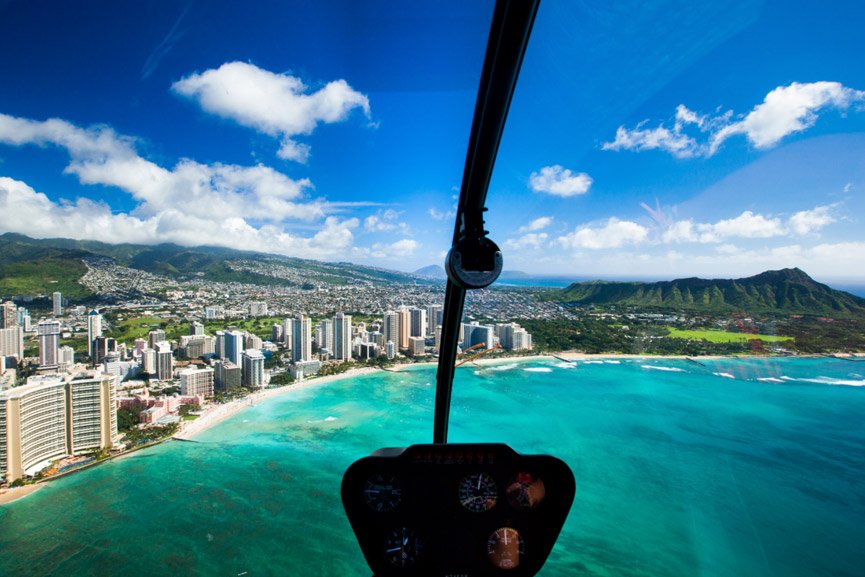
(739, 468)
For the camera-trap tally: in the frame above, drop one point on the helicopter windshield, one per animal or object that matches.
(266, 193)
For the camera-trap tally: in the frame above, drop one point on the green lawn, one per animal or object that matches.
(724, 336)
(129, 329)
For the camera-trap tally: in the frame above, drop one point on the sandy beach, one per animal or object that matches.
(15, 493)
(217, 413)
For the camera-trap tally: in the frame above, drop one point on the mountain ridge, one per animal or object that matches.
(788, 290)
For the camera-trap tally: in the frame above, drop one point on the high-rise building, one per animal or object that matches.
(301, 336)
(505, 333)
(148, 361)
(434, 317)
(404, 327)
(219, 345)
(234, 345)
(195, 381)
(228, 376)
(8, 315)
(213, 313)
(253, 368)
(57, 301)
(390, 350)
(53, 416)
(94, 329)
(258, 309)
(418, 322)
(276, 333)
(195, 346)
(391, 327)
(324, 335)
(101, 347)
(196, 328)
(416, 346)
(49, 342)
(368, 351)
(287, 325)
(12, 342)
(253, 341)
(164, 361)
(155, 337)
(66, 356)
(522, 340)
(24, 319)
(475, 334)
(342, 336)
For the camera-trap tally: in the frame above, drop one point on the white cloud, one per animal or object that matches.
(241, 207)
(439, 215)
(278, 105)
(811, 221)
(660, 138)
(560, 181)
(537, 224)
(530, 240)
(384, 221)
(784, 111)
(614, 234)
(399, 249)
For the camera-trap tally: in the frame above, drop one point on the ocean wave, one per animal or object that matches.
(593, 362)
(613, 362)
(507, 367)
(538, 370)
(565, 365)
(831, 381)
(662, 368)
(328, 419)
(770, 380)
(725, 375)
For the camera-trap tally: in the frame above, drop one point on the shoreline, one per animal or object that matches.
(16, 493)
(218, 413)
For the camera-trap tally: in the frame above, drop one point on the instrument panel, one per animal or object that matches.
(457, 510)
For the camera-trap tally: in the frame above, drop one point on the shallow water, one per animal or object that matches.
(733, 467)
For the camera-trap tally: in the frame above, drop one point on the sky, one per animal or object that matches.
(645, 139)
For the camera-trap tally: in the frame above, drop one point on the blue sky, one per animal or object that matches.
(661, 139)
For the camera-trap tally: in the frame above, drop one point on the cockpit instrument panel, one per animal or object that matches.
(457, 509)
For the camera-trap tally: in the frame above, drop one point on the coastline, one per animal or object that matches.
(218, 413)
(15, 493)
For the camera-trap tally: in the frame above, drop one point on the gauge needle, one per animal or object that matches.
(394, 550)
(479, 482)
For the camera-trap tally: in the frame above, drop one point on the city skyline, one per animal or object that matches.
(724, 161)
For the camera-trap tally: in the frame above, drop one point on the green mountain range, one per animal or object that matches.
(40, 266)
(788, 290)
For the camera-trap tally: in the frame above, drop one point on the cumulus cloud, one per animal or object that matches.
(537, 224)
(279, 105)
(560, 181)
(748, 225)
(441, 215)
(811, 221)
(614, 234)
(785, 110)
(384, 221)
(241, 207)
(399, 249)
(530, 240)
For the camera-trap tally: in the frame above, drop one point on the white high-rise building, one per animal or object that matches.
(301, 337)
(57, 301)
(148, 361)
(253, 341)
(196, 328)
(66, 356)
(194, 381)
(164, 361)
(418, 323)
(234, 345)
(258, 309)
(287, 325)
(12, 342)
(8, 315)
(94, 329)
(390, 350)
(253, 368)
(49, 342)
(342, 336)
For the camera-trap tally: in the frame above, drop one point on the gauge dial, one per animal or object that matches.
(505, 547)
(382, 493)
(402, 547)
(526, 492)
(478, 493)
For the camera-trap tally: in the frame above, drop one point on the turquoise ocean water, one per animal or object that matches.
(682, 469)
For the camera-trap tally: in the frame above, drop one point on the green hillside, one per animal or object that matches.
(788, 291)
